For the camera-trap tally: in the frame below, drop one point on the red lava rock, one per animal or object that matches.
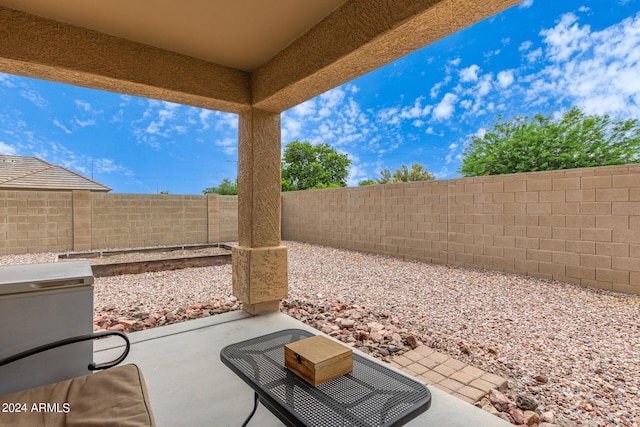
(361, 335)
(499, 400)
(374, 326)
(347, 323)
(505, 417)
(516, 415)
(412, 341)
(376, 337)
(530, 418)
(116, 327)
(541, 378)
(127, 323)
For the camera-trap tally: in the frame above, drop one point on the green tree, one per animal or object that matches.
(226, 188)
(306, 166)
(402, 174)
(416, 173)
(576, 140)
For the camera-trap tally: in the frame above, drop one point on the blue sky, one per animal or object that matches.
(540, 56)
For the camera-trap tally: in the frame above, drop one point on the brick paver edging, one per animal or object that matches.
(448, 374)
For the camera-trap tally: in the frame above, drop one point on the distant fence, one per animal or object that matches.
(58, 221)
(580, 226)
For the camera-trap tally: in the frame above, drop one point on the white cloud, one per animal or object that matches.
(307, 108)
(584, 9)
(63, 127)
(595, 70)
(416, 111)
(534, 55)
(154, 128)
(225, 121)
(505, 78)
(291, 128)
(83, 105)
(484, 85)
(228, 145)
(330, 100)
(444, 110)
(84, 123)
(453, 149)
(108, 166)
(525, 45)
(357, 170)
(469, 74)
(567, 38)
(455, 62)
(491, 53)
(389, 116)
(7, 149)
(204, 118)
(6, 80)
(435, 90)
(34, 97)
(526, 4)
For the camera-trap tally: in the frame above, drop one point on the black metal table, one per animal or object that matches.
(371, 395)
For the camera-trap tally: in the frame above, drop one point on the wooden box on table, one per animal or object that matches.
(318, 359)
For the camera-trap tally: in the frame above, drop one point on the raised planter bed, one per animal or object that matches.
(142, 260)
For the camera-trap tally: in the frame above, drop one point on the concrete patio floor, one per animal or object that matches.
(189, 385)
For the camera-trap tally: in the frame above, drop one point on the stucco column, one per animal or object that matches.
(259, 262)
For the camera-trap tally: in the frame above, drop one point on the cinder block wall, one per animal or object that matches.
(405, 220)
(134, 220)
(58, 221)
(227, 218)
(581, 226)
(222, 218)
(35, 221)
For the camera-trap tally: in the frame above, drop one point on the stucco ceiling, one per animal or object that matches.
(241, 34)
(224, 55)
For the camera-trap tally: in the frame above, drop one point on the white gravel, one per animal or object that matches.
(587, 342)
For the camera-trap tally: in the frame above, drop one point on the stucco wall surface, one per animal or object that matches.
(580, 226)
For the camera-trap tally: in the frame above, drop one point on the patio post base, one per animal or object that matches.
(261, 308)
(259, 277)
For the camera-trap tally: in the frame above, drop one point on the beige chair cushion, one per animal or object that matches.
(115, 397)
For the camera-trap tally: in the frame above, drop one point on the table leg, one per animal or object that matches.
(255, 406)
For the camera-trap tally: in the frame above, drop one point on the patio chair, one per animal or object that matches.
(116, 396)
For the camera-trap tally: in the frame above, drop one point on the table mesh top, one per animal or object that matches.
(371, 395)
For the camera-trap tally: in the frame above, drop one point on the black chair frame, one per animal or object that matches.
(87, 337)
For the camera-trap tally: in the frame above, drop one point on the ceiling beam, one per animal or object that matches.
(45, 49)
(359, 37)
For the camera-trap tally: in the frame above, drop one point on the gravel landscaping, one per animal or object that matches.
(575, 350)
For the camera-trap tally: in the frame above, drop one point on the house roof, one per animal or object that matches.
(30, 173)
